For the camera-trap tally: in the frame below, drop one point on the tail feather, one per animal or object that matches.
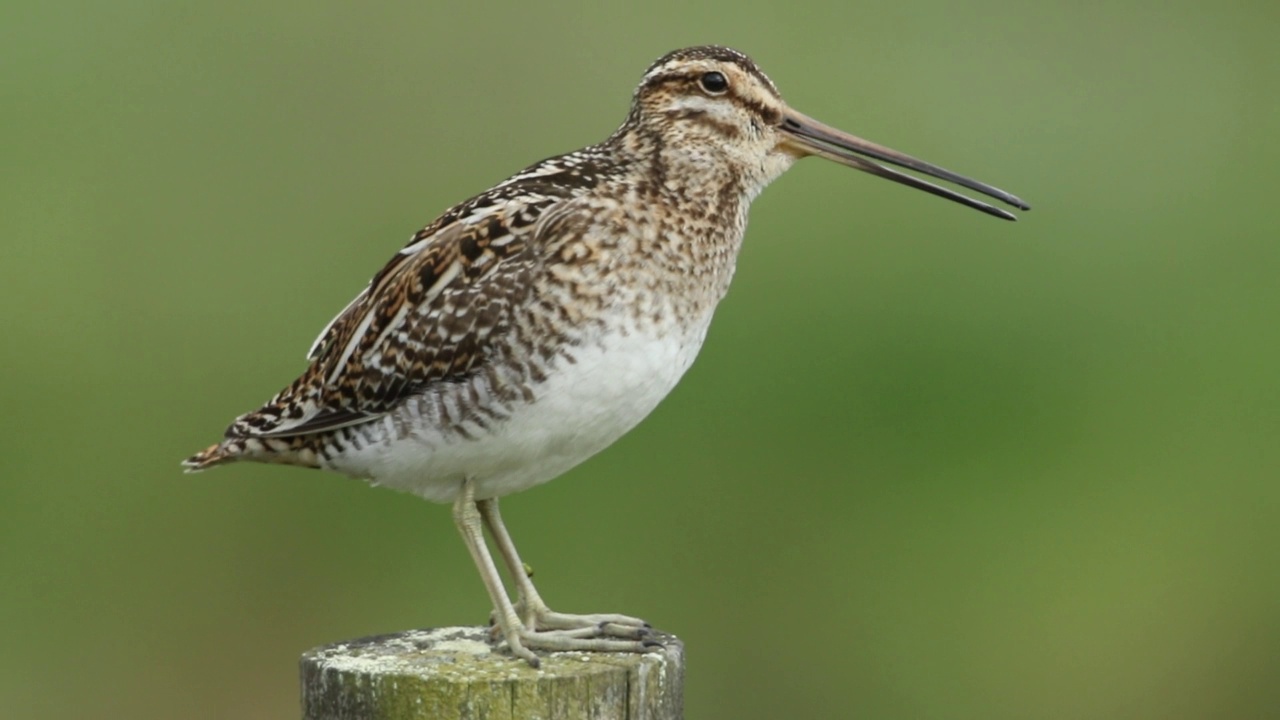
(224, 452)
(284, 451)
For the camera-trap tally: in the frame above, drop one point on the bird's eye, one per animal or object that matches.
(714, 83)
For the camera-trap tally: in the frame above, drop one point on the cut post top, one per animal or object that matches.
(448, 673)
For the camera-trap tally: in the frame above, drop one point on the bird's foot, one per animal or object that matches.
(593, 625)
(543, 629)
(522, 641)
(541, 618)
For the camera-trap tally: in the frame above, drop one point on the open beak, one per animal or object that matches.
(813, 138)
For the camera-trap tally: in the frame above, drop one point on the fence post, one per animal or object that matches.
(455, 674)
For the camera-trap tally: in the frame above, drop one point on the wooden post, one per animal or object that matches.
(454, 673)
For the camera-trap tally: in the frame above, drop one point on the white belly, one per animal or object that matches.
(581, 408)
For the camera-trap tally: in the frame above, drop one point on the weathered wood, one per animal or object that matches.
(454, 673)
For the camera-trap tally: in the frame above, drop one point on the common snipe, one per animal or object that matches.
(531, 326)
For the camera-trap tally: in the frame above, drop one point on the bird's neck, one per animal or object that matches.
(686, 172)
(696, 214)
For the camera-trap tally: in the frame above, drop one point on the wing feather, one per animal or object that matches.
(429, 316)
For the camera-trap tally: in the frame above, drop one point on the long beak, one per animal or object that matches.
(813, 138)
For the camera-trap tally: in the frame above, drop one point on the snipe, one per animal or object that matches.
(531, 326)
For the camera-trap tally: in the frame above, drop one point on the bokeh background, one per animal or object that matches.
(929, 464)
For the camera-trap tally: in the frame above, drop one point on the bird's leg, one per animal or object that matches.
(521, 639)
(528, 601)
(534, 611)
(468, 520)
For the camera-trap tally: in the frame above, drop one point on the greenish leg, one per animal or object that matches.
(534, 611)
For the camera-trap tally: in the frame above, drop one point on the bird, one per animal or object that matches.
(531, 326)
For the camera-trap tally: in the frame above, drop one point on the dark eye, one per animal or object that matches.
(714, 83)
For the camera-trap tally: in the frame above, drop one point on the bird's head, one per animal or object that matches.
(712, 105)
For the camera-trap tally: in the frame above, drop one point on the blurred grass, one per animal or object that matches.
(929, 465)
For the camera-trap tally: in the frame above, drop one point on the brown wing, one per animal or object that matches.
(429, 316)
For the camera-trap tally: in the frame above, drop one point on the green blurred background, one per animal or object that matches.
(929, 465)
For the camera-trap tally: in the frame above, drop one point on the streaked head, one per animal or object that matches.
(715, 104)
